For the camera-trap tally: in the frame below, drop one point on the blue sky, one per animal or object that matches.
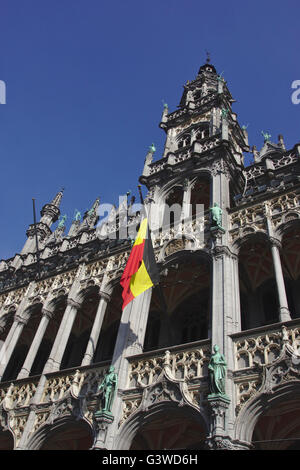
(85, 82)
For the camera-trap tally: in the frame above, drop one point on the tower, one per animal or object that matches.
(202, 165)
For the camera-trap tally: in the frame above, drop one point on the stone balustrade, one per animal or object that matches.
(254, 349)
(187, 362)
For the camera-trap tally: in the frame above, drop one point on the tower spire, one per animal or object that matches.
(57, 199)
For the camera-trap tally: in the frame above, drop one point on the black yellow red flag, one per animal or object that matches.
(141, 272)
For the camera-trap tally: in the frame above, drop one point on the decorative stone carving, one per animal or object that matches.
(166, 387)
(283, 369)
(272, 370)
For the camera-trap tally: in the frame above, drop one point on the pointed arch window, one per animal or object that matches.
(184, 140)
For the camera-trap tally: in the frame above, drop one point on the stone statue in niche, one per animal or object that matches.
(217, 373)
(107, 390)
(216, 215)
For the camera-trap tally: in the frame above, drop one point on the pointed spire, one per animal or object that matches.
(57, 199)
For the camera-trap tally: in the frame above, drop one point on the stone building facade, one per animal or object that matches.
(235, 284)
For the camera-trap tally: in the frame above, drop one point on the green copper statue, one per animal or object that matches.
(266, 136)
(216, 215)
(224, 113)
(152, 148)
(61, 223)
(77, 215)
(108, 388)
(217, 373)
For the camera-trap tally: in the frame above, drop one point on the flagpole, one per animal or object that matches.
(36, 240)
(144, 207)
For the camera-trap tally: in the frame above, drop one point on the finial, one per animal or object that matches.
(57, 199)
(207, 57)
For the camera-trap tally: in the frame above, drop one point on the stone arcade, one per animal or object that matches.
(229, 277)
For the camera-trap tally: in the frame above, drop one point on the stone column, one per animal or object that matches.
(225, 302)
(284, 313)
(60, 343)
(15, 330)
(25, 371)
(96, 329)
(11, 342)
(225, 312)
(186, 213)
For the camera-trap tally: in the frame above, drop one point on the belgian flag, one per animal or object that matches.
(141, 271)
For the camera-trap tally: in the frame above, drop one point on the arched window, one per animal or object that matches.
(191, 318)
(200, 195)
(184, 141)
(173, 208)
(202, 132)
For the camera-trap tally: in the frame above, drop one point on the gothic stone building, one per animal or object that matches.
(234, 284)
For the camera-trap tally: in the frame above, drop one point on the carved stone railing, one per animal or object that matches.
(285, 160)
(176, 114)
(186, 362)
(280, 209)
(259, 169)
(193, 227)
(82, 380)
(207, 144)
(18, 394)
(254, 171)
(257, 348)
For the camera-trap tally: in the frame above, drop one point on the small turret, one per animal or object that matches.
(49, 214)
